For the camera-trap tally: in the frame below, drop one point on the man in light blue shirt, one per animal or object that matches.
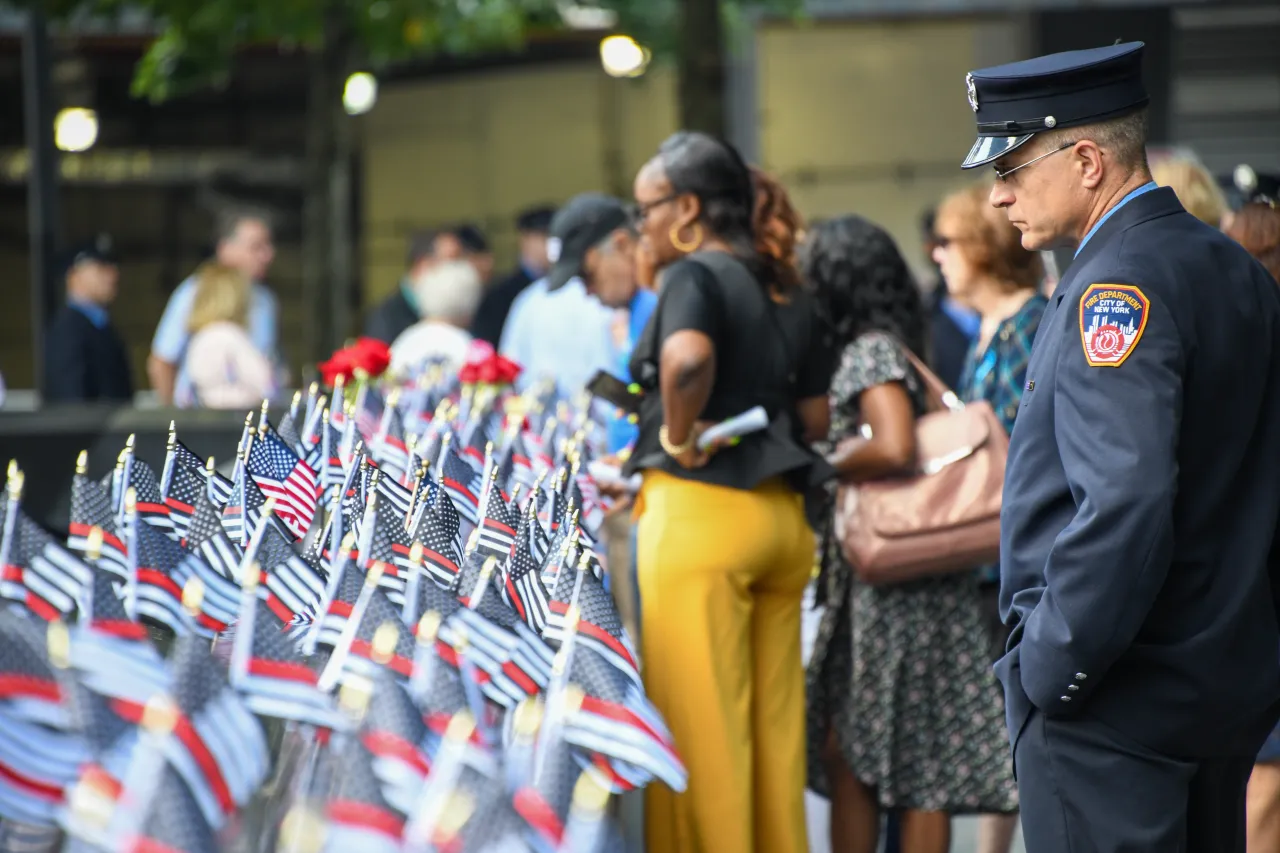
(563, 335)
(244, 243)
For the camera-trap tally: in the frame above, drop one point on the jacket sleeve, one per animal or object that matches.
(1117, 413)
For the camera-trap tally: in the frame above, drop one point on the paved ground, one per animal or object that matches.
(964, 839)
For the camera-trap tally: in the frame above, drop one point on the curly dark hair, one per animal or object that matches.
(861, 282)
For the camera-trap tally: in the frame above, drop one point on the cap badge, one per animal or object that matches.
(972, 90)
(1050, 121)
(553, 249)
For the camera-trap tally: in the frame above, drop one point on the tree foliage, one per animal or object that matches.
(197, 40)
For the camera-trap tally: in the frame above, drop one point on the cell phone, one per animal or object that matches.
(614, 391)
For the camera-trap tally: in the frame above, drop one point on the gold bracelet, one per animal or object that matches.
(673, 449)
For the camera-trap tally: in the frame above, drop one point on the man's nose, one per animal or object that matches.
(1001, 195)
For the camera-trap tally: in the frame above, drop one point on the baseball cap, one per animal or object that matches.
(582, 223)
(100, 249)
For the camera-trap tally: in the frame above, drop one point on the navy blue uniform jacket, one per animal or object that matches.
(1143, 488)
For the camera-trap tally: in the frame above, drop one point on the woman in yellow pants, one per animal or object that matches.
(724, 547)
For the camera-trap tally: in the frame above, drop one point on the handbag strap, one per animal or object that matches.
(940, 396)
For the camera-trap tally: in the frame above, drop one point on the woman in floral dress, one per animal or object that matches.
(903, 712)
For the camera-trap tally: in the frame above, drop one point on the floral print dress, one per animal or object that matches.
(901, 674)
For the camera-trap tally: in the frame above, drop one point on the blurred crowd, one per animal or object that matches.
(905, 722)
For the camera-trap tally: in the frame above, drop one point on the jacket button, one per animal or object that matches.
(1071, 688)
(1065, 698)
(1080, 676)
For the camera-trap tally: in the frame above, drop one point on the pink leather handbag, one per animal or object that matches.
(943, 518)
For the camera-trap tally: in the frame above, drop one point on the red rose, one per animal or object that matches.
(340, 364)
(371, 355)
(508, 370)
(469, 374)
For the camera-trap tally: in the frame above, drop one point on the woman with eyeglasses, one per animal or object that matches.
(725, 550)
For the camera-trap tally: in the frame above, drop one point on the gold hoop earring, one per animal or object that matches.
(682, 246)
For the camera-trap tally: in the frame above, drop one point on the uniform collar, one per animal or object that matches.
(1145, 188)
(93, 312)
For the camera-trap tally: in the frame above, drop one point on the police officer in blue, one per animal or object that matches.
(1143, 482)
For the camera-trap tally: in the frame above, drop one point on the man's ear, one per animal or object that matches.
(1089, 159)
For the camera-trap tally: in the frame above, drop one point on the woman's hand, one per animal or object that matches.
(696, 457)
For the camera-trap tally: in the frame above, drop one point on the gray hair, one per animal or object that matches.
(1125, 137)
(448, 291)
(228, 219)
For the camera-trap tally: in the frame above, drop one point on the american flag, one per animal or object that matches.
(38, 571)
(174, 821)
(347, 588)
(544, 803)
(294, 585)
(287, 429)
(215, 560)
(281, 474)
(111, 652)
(394, 733)
(523, 589)
(243, 508)
(552, 510)
(184, 485)
(323, 458)
(151, 506)
(379, 611)
(369, 407)
(600, 627)
(461, 483)
(473, 449)
(521, 462)
(390, 446)
(497, 526)
(275, 681)
(521, 667)
(39, 756)
(153, 561)
(388, 543)
(90, 508)
(218, 747)
(219, 487)
(392, 493)
(531, 536)
(617, 721)
(108, 737)
(358, 815)
(440, 552)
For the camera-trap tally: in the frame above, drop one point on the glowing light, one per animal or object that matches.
(360, 93)
(623, 56)
(75, 129)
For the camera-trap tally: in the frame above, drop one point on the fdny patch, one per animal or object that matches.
(1112, 319)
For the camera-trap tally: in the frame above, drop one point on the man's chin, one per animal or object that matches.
(1033, 241)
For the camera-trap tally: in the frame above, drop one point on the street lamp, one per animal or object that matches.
(360, 93)
(623, 56)
(75, 129)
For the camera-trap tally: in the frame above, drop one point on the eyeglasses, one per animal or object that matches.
(638, 212)
(1002, 175)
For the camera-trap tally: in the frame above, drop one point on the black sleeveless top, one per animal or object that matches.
(768, 354)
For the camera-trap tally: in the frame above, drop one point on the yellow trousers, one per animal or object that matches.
(722, 572)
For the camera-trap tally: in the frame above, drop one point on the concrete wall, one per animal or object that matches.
(870, 117)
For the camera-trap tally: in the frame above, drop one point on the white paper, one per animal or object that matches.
(752, 420)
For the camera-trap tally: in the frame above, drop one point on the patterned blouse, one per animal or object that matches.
(999, 373)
